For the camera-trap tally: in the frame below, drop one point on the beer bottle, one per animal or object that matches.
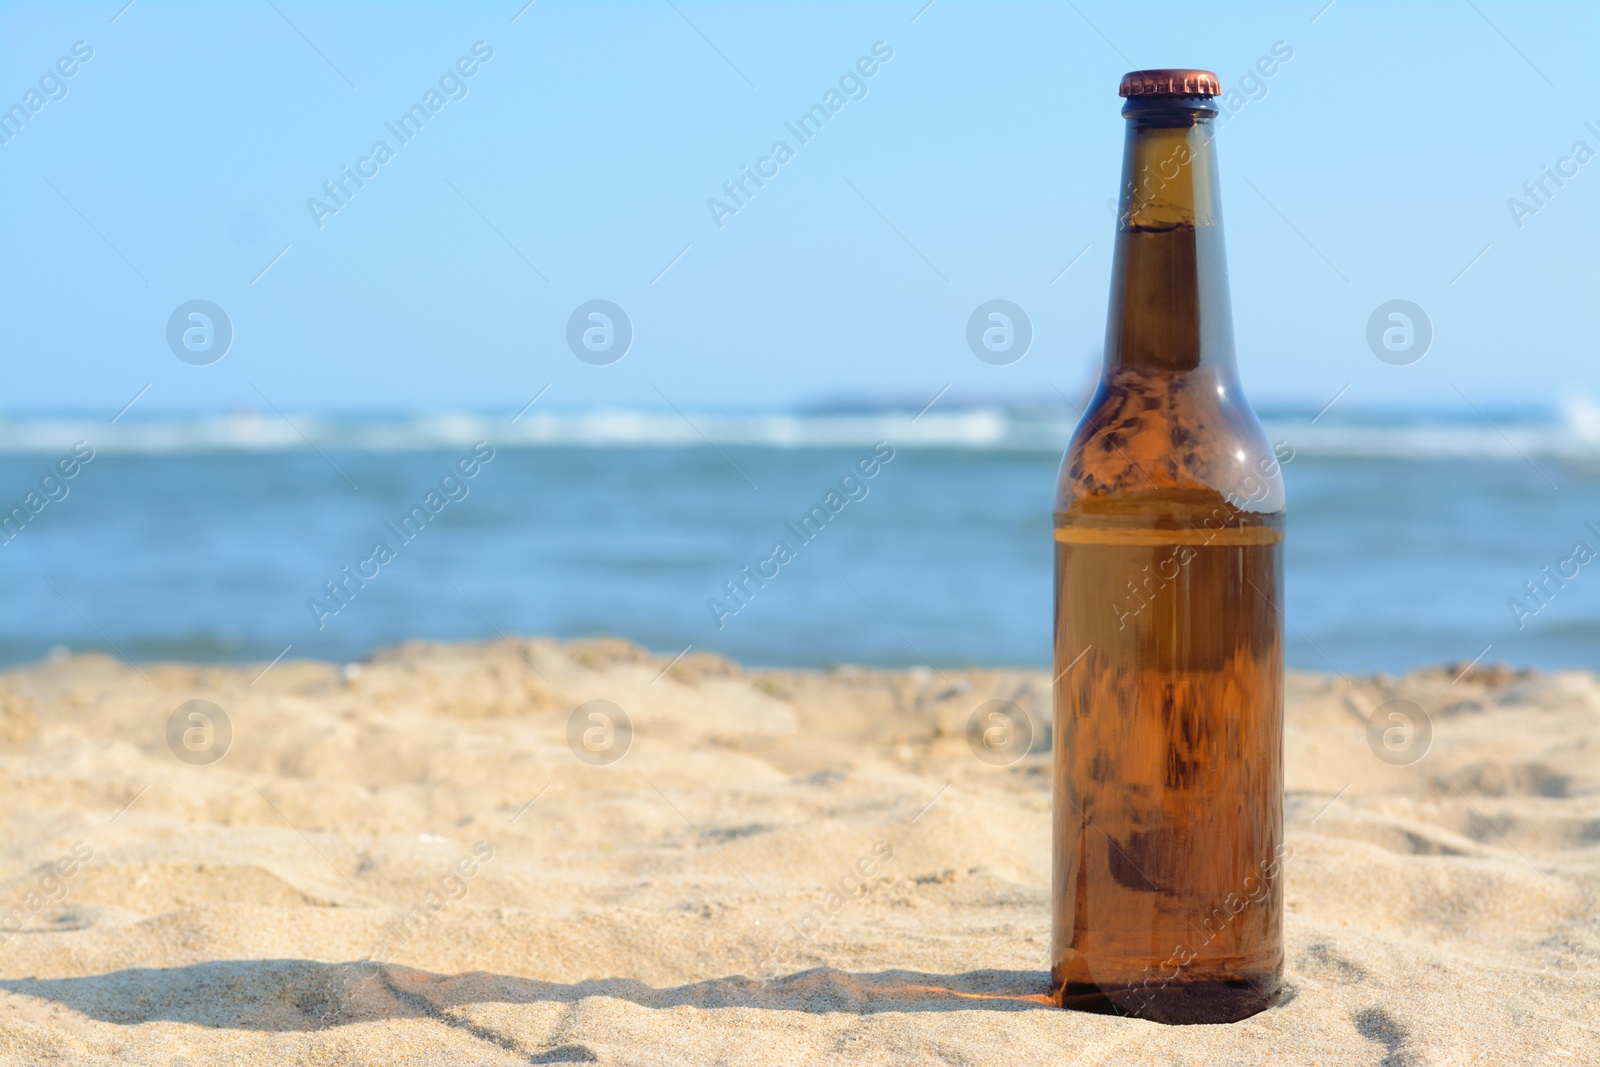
(1168, 800)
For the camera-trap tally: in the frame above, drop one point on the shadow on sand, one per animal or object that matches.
(286, 995)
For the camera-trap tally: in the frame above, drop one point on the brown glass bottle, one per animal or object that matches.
(1168, 632)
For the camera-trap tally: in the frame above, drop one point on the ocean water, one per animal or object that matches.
(192, 538)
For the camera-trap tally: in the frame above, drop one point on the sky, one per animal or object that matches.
(578, 159)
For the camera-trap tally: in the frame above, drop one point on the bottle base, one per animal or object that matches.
(1177, 1003)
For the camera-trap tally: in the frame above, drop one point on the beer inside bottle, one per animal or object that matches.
(1168, 865)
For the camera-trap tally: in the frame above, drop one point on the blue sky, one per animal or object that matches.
(976, 164)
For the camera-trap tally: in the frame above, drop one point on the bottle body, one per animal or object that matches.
(1168, 651)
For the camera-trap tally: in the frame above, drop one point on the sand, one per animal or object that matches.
(782, 868)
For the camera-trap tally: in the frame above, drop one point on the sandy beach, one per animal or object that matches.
(406, 861)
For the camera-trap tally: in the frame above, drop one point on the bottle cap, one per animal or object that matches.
(1170, 83)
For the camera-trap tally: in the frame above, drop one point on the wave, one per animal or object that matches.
(1573, 435)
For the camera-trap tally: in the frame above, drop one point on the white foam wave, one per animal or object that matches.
(1575, 436)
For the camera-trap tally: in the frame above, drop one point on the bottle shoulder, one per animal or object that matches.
(1155, 446)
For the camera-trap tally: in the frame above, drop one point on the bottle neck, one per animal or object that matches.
(1170, 311)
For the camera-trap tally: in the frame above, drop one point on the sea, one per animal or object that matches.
(1414, 539)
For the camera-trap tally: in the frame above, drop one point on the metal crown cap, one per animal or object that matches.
(1170, 82)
